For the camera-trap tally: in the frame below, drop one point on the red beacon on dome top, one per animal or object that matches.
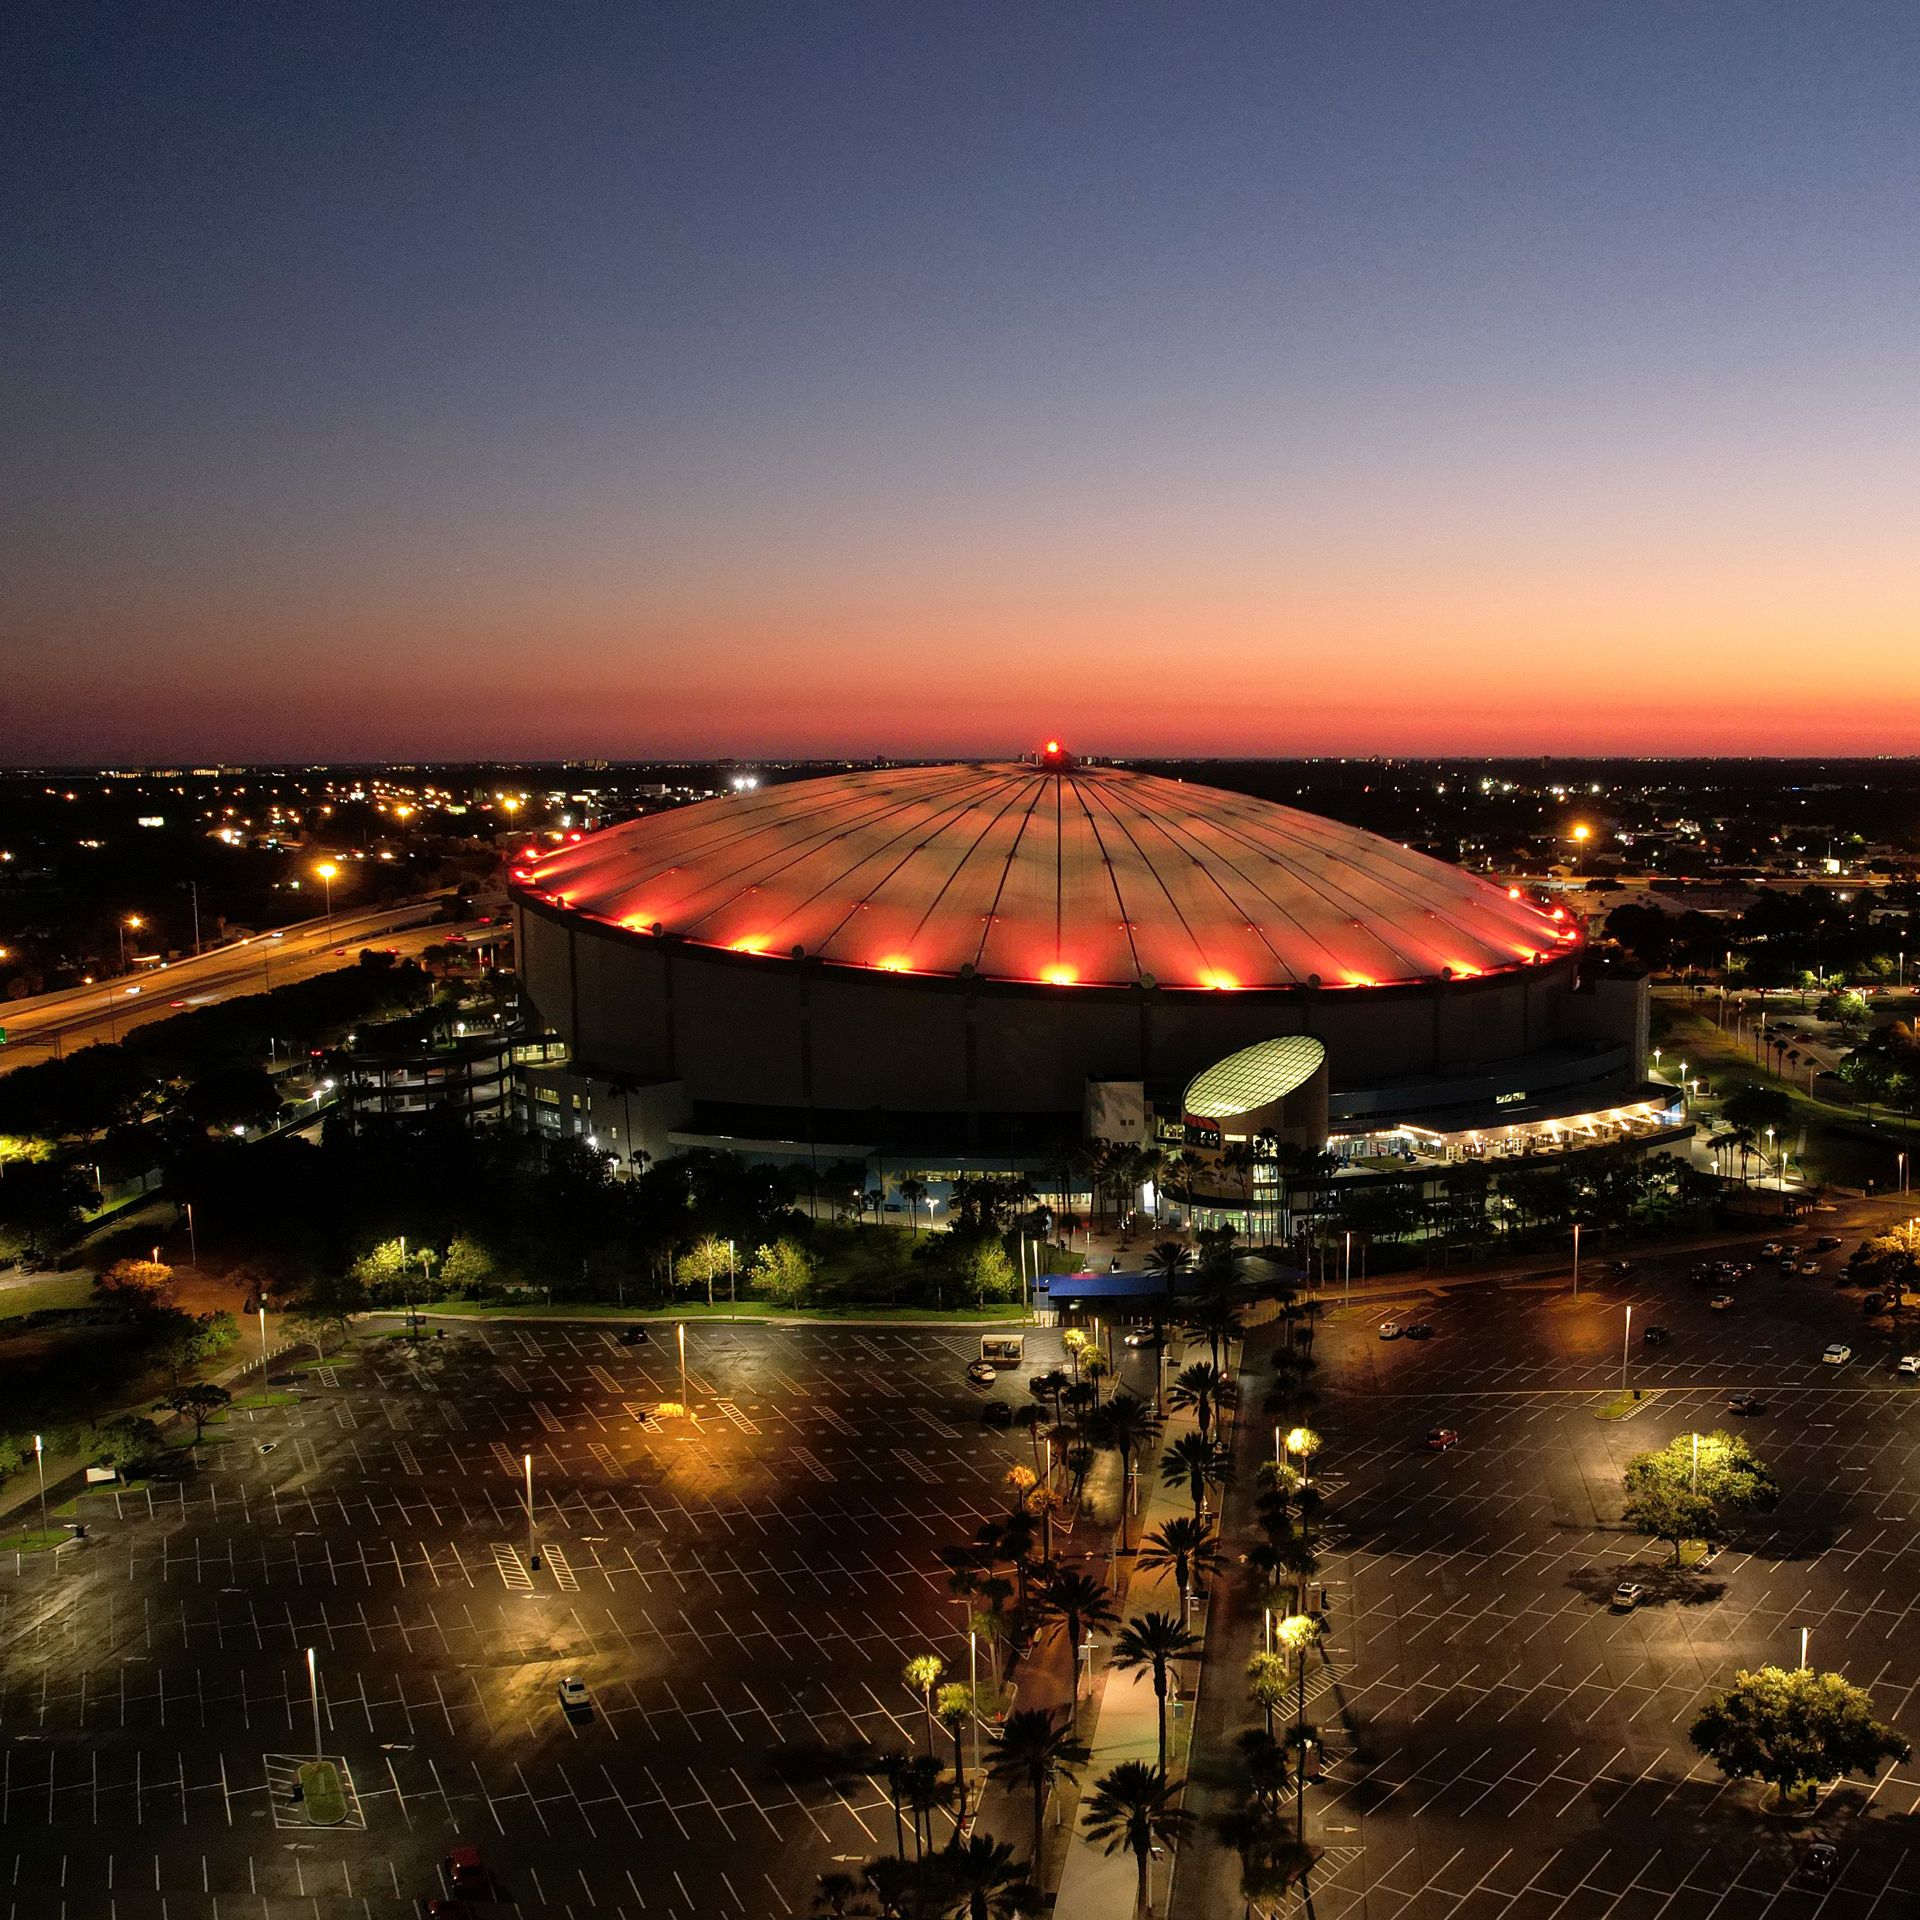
(1053, 754)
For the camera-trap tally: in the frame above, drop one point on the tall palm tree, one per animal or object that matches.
(1196, 1462)
(1080, 1602)
(1035, 1753)
(926, 1790)
(1127, 1426)
(837, 1895)
(891, 1765)
(921, 1673)
(1133, 1807)
(1155, 1641)
(913, 1191)
(953, 1709)
(1205, 1389)
(982, 1879)
(1185, 1545)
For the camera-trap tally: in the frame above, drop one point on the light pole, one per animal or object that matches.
(313, 1683)
(680, 1329)
(533, 1557)
(1348, 1265)
(1576, 1259)
(325, 873)
(40, 1463)
(973, 1698)
(1626, 1346)
(193, 1245)
(266, 1363)
(733, 1298)
(1805, 1632)
(133, 921)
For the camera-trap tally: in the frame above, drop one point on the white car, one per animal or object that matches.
(1140, 1337)
(1721, 1302)
(574, 1694)
(1390, 1330)
(1628, 1595)
(1771, 1251)
(1838, 1354)
(1909, 1364)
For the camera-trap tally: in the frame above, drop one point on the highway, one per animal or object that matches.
(53, 1024)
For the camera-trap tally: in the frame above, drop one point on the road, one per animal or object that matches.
(1504, 1744)
(57, 1023)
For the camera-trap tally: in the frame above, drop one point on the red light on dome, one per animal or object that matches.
(1217, 982)
(1059, 975)
(1513, 893)
(751, 943)
(895, 963)
(1053, 746)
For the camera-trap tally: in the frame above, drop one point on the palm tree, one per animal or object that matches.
(1034, 1753)
(1205, 1389)
(1216, 1319)
(1196, 1461)
(953, 1710)
(1185, 1545)
(838, 1895)
(1127, 1425)
(1133, 1807)
(926, 1789)
(921, 1673)
(1081, 1602)
(913, 1191)
(982, 1878)
(891, 1764)
(1155, 1641)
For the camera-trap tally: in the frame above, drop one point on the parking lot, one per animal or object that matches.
(1508, 1745)
(738, 1588)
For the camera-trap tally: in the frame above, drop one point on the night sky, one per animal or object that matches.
(636, 379)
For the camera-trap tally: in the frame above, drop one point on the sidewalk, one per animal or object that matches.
(1095, 1885)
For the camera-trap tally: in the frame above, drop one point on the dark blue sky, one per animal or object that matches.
(617, 379)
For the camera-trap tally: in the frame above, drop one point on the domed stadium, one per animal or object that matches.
(986, 957)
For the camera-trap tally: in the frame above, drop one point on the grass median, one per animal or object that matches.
(323, 1793)
(1010, 1313)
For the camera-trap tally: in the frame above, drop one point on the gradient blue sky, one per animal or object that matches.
(414, 379)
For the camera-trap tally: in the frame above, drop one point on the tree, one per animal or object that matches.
(1795, 1731)
(1205, 1389)
(1133, 1807)
(980, 1877)
(710, 1258)
(913, 1191)
(1126, 1425)
(953, 1708)
(1752, 1110)
(126, 1442)
(1081, 1602)
(1695, 1488)
(922, 1673)
(318, 1326)
(785, 1272)
(467, 1266)
(838, 1895)
(990, 1273)
(42, 1200)
(1195, 1462)
(199, 1402)
(139, 1286)
(1035, 1753)
(1268, 1677)
(1156, 1641)
(1184, 1544)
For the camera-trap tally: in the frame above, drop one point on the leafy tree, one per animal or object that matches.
(1184, 1544)
(319, 1327)
(1126, 1425)
(953, 1708)
(708, 1260)
(922, 1673)
(1156, 1641)
(1752, 1110)
(785, 1272)
(199, 1402)
(184, 1340)
(1080, 1602)
(1033, 1752)
(467, 1265)
(126, 1442)
(42, 1199)
(990, 1273)
(1794, 1730)
(142, 1287)
(1269, 1676)
(980, 1878)
(1133, 1807)
(1696, 1487)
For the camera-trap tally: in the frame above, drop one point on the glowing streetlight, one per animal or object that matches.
(266, 1364)
(680, 1329)
(326, 873)
(533, 1557)
(40, 1462)
(313, 1683)
(130, 923)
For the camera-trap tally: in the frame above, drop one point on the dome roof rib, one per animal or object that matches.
(1064, 874)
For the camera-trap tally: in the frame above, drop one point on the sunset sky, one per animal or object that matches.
(436, 379)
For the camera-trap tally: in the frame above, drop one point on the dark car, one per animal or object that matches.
(1872, 1302)
(1826, 1243)
(438, 1907)
(996, 1413)
(1419, 1331)
(1654, 1336)
(1820, 1864)
(1439, 1439)
(1746, 1403)
(466, 1872)
(633, 1337)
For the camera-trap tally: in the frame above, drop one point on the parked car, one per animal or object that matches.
(466, 1872)
(1820, 1864)
(1721, 1302)
(1139, 1337)
(1390, 1330)
(1439, 1439)
(1746, 1403)
(1770, 1250)
(1809, 1267)
(1627, 1595)
(1826, 1243)
(980, 1373)
(633, 1336)
(996, 1413)
(1419, 1331)
(437, 1906)
(1909, 1365)
(1872, 1302)
(574, 1695)
(1655, 1336)
(1837, 1354)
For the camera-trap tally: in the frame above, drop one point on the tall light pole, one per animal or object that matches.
(1576, 1259)
(40, 1462)
(533, 1558)
(1626, 1346)
(129, 921)
(313, 1683)
(1805, 1632)
(266, 1364)
(973, 1697)
(326, 873)
(680, 1328)
(193, 1245)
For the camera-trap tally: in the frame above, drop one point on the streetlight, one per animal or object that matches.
(266, 1363)
(1805, 1633)
(131, 922)
(1626, 1346)
(313, 1682)
(40, 1462)
(193, 1245)
(1576, 1259)
(680, 1329)
(325, 873)
(533, 1557)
